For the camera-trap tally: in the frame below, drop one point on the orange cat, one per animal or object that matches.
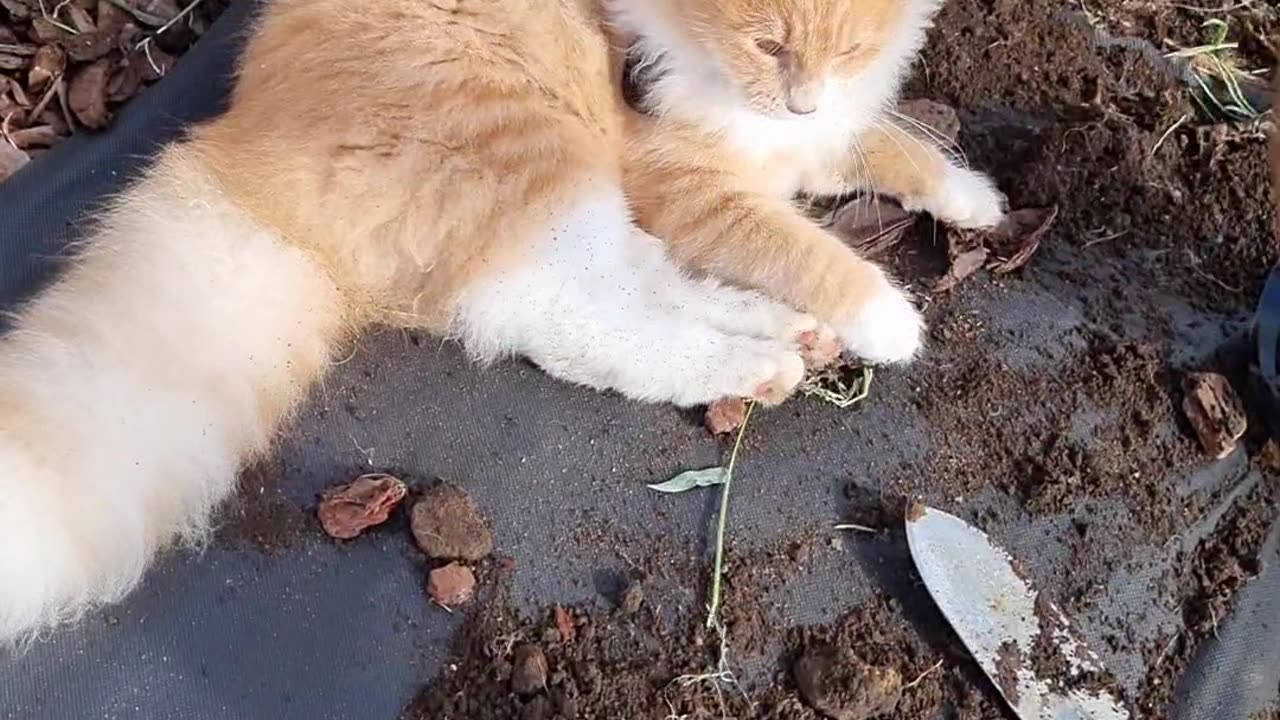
(777, 98)
(453, 165)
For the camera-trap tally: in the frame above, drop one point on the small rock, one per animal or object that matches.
(838, 684)
(632, 598)
(935, 116)
(725, 415)
(347, 510)
(451, 585)
(529, 671)
(447, 525)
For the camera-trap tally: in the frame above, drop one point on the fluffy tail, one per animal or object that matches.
(133, 389)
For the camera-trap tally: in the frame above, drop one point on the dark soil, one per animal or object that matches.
(653, 664)
(1157, 197)
(260, 514)
(1209, 577)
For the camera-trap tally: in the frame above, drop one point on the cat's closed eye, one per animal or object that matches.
(854, 50)
(772, 48)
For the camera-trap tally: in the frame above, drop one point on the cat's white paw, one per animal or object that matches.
(785, 373)
(820, 346)
(965, 199)
(746, 367)
(887, 328)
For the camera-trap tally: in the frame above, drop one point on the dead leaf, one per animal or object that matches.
(1215, 411)
(933, 116)
(351, 508)
(1018, 237)
(166, 10)
(89, 46)
(53, 118)
(80, 19)
(564, 625)
(37, 136)
(49, 62)
(19, 95)
(110, 17)
(17, 48)
(10, 61)
(871, 225)
(11, 160)
(87, 96)
(18, 9)
(45, 30)
(154, 64)
(137, 69)
(962, 266)
(131, 35)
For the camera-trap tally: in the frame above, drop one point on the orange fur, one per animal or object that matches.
(411, 143)
(456, 165)
(721, 198)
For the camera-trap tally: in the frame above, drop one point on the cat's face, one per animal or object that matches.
(780, 57)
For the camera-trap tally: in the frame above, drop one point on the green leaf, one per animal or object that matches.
(693, 479)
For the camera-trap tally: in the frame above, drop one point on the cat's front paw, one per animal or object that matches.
(964, 198)
(886, 328)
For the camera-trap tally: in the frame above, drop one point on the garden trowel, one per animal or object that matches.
(1022, 642)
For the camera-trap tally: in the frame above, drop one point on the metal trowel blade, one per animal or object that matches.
(995, 614)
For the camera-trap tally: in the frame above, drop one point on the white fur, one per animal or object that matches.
(596, 301)
(131, 391)
(966, 199)
(885, 329)
(695, 87)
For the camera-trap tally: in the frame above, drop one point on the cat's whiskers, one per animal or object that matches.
(946, 144)
(866, 179)
(889, 132)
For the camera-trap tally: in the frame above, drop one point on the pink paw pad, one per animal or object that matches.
(819, 348)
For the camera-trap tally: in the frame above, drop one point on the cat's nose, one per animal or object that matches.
(801, 108)
(803, 100)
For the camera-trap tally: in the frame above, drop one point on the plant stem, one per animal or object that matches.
(713, 609)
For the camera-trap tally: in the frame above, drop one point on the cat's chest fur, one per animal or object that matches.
(787, 154)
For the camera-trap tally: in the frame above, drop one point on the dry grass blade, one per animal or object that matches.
(834, 387)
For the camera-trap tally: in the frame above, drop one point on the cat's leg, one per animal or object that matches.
(897, 162)
(134, 387)
(764, 243)
(592, 300)
(740, 311)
